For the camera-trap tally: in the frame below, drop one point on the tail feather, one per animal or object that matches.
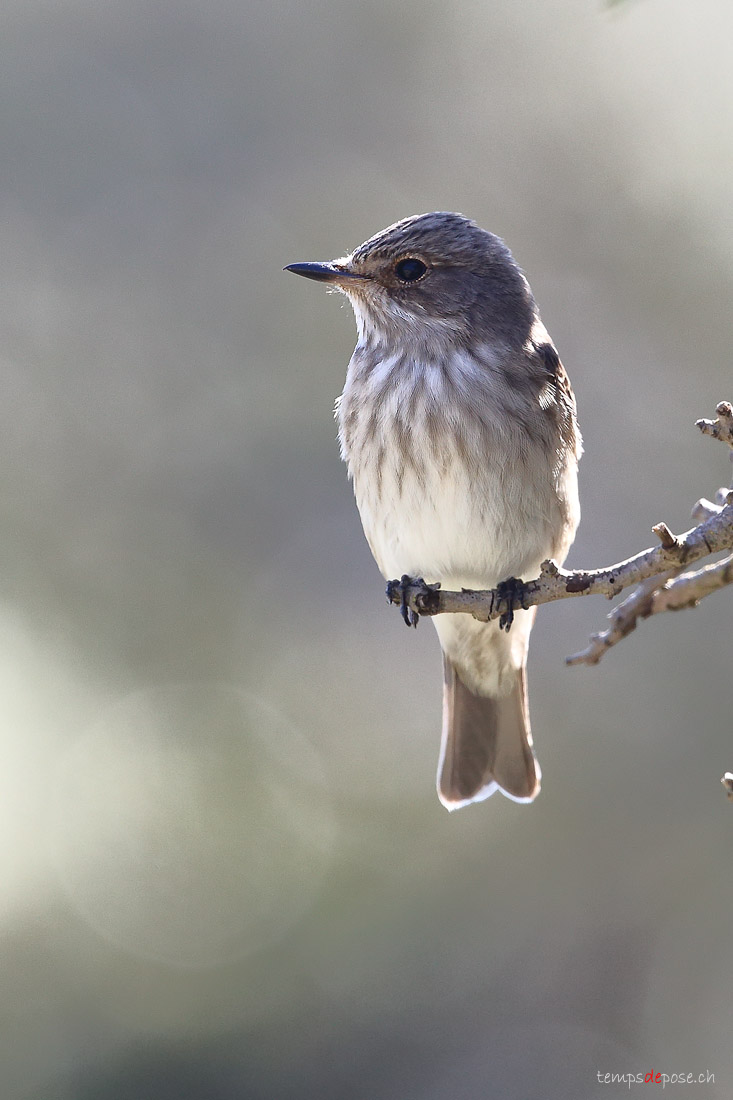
(487, 743)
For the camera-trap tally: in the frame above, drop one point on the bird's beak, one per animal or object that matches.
(324, 273)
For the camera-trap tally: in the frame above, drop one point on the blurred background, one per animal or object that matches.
(225, 871)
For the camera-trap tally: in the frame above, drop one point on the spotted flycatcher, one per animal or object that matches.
(457, 423)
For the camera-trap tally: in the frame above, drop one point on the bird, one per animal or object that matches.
(458, 426)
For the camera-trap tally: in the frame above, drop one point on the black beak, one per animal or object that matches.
(323, 273)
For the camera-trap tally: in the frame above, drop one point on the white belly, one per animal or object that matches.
(451, 497)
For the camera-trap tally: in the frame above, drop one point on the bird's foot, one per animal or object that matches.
(412, 595)
(510, 594)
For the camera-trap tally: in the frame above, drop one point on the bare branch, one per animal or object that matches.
(688, 589)
(658, 572)
(654, 595)
(624, 618)
(554, 583)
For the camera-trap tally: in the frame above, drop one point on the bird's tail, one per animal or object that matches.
(487, 743)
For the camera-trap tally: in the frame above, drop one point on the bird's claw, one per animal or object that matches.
(399, 592)
(510, 594)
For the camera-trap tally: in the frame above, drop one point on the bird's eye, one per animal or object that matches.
(410, 270)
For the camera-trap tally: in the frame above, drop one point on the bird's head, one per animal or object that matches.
(432, 277)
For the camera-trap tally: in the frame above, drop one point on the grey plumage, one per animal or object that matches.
(457, 423)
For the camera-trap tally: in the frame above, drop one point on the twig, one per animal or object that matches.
(722, 428)
(654, 595)
(554, 583)
(688, 589)
(662, 586)
(624, 618)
